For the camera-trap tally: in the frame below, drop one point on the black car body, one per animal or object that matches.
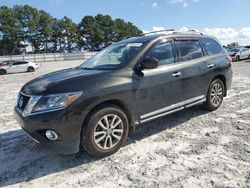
(162, 74)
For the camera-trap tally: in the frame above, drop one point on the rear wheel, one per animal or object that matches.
(2, 71)
(106, 131)
(215, 95)
(31, 69)
(237, 58)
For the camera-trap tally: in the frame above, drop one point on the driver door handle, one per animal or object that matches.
(176, 74)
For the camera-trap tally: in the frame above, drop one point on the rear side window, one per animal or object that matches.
(188, 49)
(211, 46)
(163, 52)
(20, 63)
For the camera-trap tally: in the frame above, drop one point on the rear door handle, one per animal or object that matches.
(210, 65)
(176, 74)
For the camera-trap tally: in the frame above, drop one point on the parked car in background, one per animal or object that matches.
(240, 54)
(17, 66)
(232, 52)
(4, 63)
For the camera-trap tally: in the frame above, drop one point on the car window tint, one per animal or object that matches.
(188, 50)
(20, 63)
(16, 63)
(163, 53)
(211, 46)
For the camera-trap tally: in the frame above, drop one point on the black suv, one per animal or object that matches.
(128, 83)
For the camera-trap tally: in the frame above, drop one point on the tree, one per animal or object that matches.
(87, 33)
(29, 19)
(10, 31)
(23, 24)
(125, 30)
(100, 31)
(65, 34)
(45, 30)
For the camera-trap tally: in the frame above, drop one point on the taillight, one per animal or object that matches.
(229, 59)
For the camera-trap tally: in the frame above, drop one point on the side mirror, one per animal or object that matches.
(149, 63)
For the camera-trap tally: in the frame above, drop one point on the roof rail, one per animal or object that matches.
(189, 31)
(157, 31)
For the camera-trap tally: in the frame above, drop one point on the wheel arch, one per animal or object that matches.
(117, 102)
(4, 70)
(223, 79)
(30, 66)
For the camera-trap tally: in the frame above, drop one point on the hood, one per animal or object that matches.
(68, 80)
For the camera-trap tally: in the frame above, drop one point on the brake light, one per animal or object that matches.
(229, 59)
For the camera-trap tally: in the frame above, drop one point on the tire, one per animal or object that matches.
(3, 71)
(98, 133)
(215, 95)
(31, 69)
(237, 58)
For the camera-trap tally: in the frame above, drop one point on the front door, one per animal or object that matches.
(159, 90)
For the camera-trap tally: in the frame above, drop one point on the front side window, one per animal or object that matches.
(163, 52)
(188, 50)
(113, 56)
(211, 46)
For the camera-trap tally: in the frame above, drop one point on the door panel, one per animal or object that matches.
(16, 67)
(197, 75)
(158, 89)
(197, 68)
(24, 67)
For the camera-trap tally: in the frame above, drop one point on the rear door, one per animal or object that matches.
(244, 53)
(195, 69)
(23, 66)
(200, 59)
(159, 90)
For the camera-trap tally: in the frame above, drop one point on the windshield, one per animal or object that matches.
(233, 50)
(113, 57)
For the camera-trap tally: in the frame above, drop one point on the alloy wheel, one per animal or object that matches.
(216, 94)
(108, 131)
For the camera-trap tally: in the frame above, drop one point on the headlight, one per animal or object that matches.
(51, 102)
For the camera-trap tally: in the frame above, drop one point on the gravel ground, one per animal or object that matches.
(192, 148)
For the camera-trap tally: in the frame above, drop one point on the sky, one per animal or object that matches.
(228, 20)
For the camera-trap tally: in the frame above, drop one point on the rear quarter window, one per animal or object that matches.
(211, 46)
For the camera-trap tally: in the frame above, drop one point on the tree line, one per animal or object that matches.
(22, 25)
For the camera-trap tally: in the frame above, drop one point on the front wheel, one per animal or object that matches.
(238, 58)
(2, 71)
(106, 131)
(215, 95)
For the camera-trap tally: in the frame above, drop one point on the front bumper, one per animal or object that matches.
(67, 125)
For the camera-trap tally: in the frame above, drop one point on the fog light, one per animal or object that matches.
(51, 135)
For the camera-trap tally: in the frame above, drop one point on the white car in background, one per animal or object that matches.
(17, 66)
(244, 53)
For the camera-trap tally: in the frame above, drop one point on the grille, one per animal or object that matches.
(23, 101)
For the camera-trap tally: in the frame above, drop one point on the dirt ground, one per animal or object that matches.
(192, 148)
